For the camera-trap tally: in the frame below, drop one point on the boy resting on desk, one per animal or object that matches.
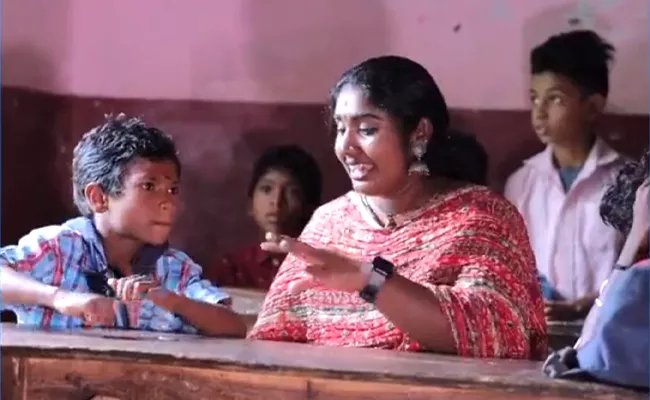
(112, 266)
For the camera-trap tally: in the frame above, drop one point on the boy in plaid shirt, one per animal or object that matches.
(112, 266)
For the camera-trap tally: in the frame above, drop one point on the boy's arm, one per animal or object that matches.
(29, 271)
(29, 268)
(17, 288)
(208, 318)
(196, 301)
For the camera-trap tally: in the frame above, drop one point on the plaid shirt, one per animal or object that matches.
(67, 256)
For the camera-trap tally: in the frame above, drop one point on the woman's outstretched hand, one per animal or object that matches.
(324, 267)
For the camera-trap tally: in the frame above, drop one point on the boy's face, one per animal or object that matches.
(560, 114)
(147, 207)
(277, 203)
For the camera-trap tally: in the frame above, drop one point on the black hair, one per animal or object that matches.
(103, 154)
(616, 206)
(407, 92)
(475, 156)
(581, 56)
(299, 164)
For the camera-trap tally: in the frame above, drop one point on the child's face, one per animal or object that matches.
(277, 203)
(147, 207)
(560, 114)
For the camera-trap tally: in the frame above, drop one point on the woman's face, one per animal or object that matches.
(368, 145)
(277, 203)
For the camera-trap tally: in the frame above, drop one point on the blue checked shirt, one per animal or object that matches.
(68, 255)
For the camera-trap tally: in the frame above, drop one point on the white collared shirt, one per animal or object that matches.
(573, 248)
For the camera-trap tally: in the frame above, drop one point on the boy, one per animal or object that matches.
(284, 190)
(112, 266)
(558, 191)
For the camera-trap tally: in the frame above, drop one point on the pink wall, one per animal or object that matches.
(293, 50)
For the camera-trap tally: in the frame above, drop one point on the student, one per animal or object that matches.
(112, 266)
(558, 191)
(284, 190)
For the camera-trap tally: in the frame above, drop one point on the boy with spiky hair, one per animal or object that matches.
(112, 266)
(558, 190)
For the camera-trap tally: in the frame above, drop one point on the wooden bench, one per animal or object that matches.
(131, 365)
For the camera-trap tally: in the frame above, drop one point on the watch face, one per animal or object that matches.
(380, 264)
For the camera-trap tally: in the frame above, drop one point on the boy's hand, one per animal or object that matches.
(93, 308)
(568, 310)
(133, 287)
(164, 298)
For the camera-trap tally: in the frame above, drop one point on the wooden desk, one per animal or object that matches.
(84, 365)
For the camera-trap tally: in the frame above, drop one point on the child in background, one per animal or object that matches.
(284, 191)
(558, 191)
(112, 266)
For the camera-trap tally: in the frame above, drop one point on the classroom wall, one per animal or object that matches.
(228, 78)
(293, 50)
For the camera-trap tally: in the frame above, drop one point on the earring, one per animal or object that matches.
(419, 167)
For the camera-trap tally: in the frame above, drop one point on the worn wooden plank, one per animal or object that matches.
(86, 379)
(99, 360)
(13, 373)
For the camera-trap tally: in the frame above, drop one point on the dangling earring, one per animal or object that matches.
(419, 167)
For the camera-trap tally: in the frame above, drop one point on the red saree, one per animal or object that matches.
(469, 247)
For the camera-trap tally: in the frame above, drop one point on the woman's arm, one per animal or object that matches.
(416, 310)
(494, 309)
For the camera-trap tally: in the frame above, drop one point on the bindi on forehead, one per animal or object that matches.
(352, 104)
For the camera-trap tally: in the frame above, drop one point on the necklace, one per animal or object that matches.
(390, 217)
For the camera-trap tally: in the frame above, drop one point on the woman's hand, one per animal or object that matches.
(324, 267)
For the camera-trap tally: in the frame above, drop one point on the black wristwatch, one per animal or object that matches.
(381, 270)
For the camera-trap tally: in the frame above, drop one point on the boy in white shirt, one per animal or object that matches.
(558, 191)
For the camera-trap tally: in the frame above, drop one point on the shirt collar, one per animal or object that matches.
(601, 154)
(144, 262)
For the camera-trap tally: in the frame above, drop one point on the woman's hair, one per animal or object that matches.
(617, 203)
(407, 92)
(296, 162)
(476, 159)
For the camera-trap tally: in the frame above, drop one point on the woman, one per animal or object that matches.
(415, 257)
(284, 190)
